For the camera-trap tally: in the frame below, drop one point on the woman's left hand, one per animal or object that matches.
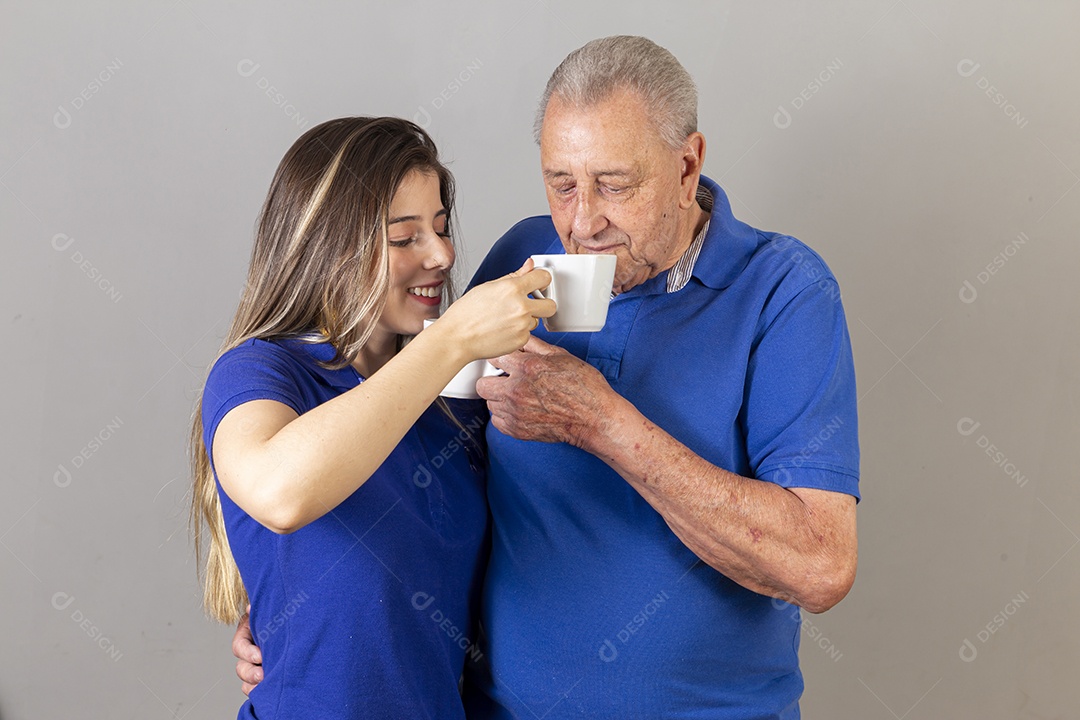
(498, 316)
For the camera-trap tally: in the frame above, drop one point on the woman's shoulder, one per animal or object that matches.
(252, 355)
(300, 351)
(278, 362)
(286, 370)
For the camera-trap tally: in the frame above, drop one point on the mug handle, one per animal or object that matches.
(491, 371)
(552, 294)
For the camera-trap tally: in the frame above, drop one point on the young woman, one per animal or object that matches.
(335, 491)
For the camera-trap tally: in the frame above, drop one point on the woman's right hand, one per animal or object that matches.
(497, 317)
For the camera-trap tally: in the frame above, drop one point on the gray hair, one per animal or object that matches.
(594, 71)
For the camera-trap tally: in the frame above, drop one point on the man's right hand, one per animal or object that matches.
(248, 656)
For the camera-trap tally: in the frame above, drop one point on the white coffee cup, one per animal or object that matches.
(463, 385)
(581, 288)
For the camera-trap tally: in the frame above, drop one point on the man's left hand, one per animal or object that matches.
(547, 395)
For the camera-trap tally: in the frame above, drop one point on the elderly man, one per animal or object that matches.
(667, 492)
(661, 490)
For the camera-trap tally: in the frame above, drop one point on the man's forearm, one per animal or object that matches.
(798, 545)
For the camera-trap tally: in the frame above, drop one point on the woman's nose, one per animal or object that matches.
(441, 255)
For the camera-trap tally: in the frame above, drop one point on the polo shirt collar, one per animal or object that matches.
(728, 244)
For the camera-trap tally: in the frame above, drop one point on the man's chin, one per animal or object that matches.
(627, 280)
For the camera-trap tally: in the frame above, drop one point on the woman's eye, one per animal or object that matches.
(401, 243)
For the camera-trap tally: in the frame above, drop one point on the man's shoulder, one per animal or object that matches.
(782, 261)
(532, 227)
(531, 236)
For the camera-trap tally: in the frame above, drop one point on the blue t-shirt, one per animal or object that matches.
(592, 607)
(369, 611)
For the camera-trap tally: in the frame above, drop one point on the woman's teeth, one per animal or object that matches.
(429, 292)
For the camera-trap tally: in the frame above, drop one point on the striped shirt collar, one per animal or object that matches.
(680, 273)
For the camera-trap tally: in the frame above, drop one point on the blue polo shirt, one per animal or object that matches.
(367, 612)
(592, 607)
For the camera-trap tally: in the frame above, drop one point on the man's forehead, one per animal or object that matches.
(602, 159)
(567, 122)
(610, 138)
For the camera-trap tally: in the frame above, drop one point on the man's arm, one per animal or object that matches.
(795, 544)
(248, 657)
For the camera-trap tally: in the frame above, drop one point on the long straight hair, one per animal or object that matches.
(320, 262)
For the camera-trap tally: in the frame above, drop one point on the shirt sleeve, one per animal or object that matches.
(800, 419)
(256, 370)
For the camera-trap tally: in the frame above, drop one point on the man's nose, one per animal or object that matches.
(588, 217)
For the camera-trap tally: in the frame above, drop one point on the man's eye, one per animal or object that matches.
(614, 190)
(564, 190)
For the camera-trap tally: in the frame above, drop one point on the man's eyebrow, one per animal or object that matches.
(552, 174)
(414, 218)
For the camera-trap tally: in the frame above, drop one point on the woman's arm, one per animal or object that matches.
(287, 470)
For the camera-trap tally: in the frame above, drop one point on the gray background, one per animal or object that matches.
(139, 141)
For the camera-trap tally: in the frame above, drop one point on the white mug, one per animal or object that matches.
(581, 288)
(463, 385)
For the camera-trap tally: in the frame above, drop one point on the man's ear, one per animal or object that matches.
(692, 159)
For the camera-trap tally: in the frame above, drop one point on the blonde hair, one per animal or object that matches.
(590, 74)
(319, 262)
